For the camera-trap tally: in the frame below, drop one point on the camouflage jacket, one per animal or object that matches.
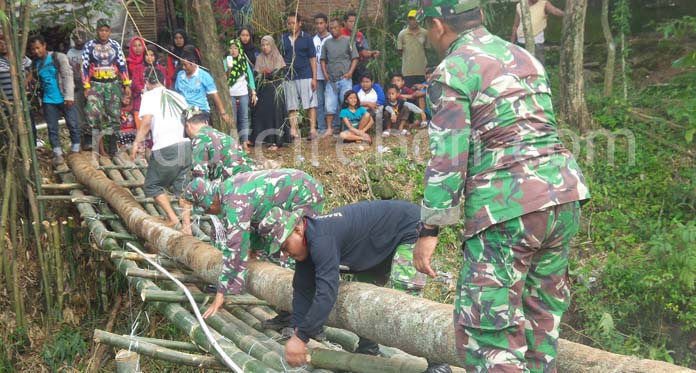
(246, 199)
(494, 143)
(216, 156)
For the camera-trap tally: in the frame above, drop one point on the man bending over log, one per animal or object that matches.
(240, 203)
(372, 239)
(215, 155)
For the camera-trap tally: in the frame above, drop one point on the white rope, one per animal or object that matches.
(194, 307)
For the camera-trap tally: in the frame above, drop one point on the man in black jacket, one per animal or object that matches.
(372, 239)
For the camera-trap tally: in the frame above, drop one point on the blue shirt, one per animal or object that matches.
(196, 88)
(49, 83)
(353, 118)
(303, 50)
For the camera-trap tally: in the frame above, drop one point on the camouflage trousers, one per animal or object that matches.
(512, 291)
(103, 108)
(396, 271)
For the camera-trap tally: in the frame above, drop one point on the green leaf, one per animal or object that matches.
(689, 135)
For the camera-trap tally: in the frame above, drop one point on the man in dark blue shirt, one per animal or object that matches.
(300, 86)
(372, 239)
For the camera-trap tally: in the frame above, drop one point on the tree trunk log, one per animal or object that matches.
(573, 108)
(526, 20)
(611, 51)
(212, 58)
(422, 327)
(414, 325)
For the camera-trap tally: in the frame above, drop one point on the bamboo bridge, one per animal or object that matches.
(409, 329)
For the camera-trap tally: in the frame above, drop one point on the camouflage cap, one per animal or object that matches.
(277, 226)
(444, 8)
(79, 35)
(201, 192)
(103, 22)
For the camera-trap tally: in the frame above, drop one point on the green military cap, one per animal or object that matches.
(103, 22)
(444, 8)
(201, 192)
(277, 226)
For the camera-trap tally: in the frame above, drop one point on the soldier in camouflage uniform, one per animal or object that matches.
(241, 202)
(496, 153)
(215, 155)
(372, 239)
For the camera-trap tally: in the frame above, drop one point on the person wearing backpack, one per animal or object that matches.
(53, 72)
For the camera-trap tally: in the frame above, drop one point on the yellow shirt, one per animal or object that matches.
(538, 13)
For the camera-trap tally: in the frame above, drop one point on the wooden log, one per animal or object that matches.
(176, 296)
(156, 275)
(156, 351)
(414, 325)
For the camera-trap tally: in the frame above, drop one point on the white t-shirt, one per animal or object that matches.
(240, 87)
(367, 96)
(166, 124)
(318, 43)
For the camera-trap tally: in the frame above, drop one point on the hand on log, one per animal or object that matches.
(423, 255)
(296, 352)
(217, 303)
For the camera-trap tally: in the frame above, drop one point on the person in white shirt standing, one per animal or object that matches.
(321, 23)
(160, 112)
(538, 10)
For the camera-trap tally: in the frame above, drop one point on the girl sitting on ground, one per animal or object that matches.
(355, 119)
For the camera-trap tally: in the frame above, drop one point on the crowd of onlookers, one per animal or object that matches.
(97, 85)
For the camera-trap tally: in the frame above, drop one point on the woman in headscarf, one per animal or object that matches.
(240, 79)
(247, 40)
(269, 115)
(136, 70)
(181, 43)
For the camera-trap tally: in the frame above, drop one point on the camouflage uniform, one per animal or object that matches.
(496, 151)
(245, 199)
(216, 156)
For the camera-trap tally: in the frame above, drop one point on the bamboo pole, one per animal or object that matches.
(172, 345)
(149, 295)
(128, 255)
(359, 363)
(155, 275)
(127, 362)
(45, 270)
(154, 350)
(90, 199)
(68, 186)
(58, 257)
(16, 293)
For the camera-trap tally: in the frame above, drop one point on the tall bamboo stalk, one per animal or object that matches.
(58, 257)
(17, 295)
(526, 20)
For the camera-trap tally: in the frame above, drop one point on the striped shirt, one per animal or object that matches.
(6, 77)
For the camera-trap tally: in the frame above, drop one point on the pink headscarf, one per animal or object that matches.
(136, 70)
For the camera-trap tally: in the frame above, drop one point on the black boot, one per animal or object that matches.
(367, 347)
(283, 320)
(438, 368)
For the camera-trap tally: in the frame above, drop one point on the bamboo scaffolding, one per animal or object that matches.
(157, 351)
(58, 259)
(149, 295)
